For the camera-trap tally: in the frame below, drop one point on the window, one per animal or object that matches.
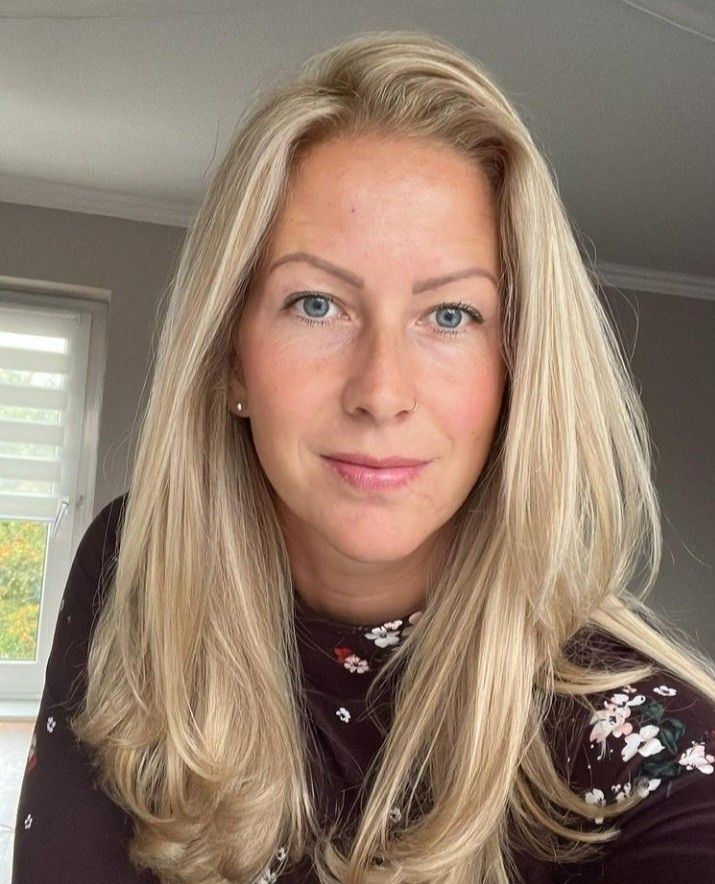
(52, 356)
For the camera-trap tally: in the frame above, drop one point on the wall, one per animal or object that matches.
(674, 365)
(133, 259)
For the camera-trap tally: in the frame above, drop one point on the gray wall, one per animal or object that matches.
(672, 361)
(674, 364)
(135, 261)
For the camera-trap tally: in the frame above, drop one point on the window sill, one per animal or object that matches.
(19, 710)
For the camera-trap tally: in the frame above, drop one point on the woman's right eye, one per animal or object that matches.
(313, 301)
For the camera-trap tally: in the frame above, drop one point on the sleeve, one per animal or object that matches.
(656, 736)
(67, 828)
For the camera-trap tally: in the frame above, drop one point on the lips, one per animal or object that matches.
(365, 460)
(370, 478)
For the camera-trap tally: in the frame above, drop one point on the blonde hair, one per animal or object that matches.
(194, 706)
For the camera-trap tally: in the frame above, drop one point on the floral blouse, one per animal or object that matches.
(656, 736)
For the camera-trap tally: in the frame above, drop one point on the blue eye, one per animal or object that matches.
(315, 297)
(464, 308)
(310, 298)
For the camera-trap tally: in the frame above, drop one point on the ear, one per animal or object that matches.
(236, 368)
(236, 386)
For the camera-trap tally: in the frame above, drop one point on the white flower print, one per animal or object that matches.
(51, 723)
(355, 664)
(695, 757)
(395, 814)
(621, 792)
(622, 699)
(644, 742)
(343, 714)
(28, 821)
(644, 788)
(647, 732)
(612, 719)
(269, 875)
(595, 796)
(385, 635)
(609, 721)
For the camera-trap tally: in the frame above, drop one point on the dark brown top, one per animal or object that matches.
(657, 735)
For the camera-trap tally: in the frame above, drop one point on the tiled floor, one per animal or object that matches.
(15, 739)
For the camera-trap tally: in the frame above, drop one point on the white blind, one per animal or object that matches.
(42, 351)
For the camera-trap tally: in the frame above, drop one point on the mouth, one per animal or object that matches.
(365, 460)
(367, 477)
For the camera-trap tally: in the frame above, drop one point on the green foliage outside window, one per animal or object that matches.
(22, 556)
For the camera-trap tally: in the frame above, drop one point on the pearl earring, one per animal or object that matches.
(238, 406)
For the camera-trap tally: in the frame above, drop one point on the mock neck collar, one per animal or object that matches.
(341, 659)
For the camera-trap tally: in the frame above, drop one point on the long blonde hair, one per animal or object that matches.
(194, 705)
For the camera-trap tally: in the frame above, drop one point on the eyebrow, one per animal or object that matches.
(357, 281)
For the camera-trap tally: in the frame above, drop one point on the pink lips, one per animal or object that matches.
(364, 460)
(371, 478)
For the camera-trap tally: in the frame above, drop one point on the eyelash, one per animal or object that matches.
(466, 308)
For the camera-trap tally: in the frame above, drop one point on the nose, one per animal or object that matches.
(382, 377)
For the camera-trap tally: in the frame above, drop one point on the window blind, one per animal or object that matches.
(41, 352)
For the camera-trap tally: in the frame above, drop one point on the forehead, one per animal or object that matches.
(360, 190)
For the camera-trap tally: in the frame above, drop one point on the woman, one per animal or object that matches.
(304, 669)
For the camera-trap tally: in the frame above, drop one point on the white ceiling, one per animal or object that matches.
(124, 108)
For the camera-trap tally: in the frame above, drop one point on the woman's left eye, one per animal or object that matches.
(473, 314)
(453, 308)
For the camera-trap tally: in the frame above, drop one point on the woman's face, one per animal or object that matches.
(340, 370)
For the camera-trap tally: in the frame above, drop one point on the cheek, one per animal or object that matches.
(468, 414)
(284, 394)
(273, 374)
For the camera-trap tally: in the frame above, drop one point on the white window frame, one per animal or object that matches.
(23, 704)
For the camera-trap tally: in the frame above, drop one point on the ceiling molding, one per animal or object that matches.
(94, 201)
(694, 16)
(50, 195)
(662, 282)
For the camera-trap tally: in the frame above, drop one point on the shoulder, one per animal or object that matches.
(96, 552)
(100, 540)
(649, 735)
(83, 596)
(655, 735)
